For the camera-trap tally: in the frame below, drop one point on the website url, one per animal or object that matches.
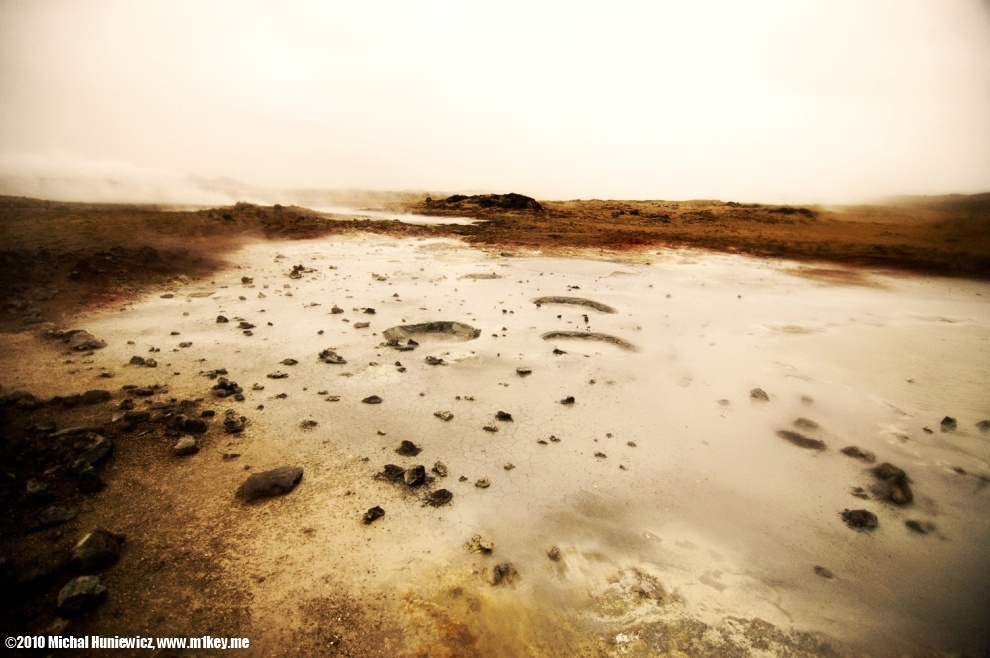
(116, 642)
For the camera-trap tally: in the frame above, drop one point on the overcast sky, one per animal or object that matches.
(772, 100)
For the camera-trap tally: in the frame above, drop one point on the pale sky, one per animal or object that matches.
(766, 100)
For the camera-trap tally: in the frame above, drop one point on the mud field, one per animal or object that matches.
(671, 453)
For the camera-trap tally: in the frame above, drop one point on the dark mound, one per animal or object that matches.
(586, 335)
(576, 301)
(801, 440)
(510, 201)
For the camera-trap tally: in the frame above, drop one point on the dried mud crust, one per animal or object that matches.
(443, 328)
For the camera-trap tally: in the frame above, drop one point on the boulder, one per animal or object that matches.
(81, 594)
(276, 482)
(99, 549)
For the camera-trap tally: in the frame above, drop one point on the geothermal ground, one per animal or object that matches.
(649, 452)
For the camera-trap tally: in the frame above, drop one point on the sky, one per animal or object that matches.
(830, 101)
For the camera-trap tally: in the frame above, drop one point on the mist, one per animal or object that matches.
(828, 102)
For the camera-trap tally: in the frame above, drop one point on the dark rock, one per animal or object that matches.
(278, 374)
(330, 356)
(136, 417)
(983, 425)
(408, 449)
(373, 514)
(82, 341)
(275, 482)
(434, 361)
(858, 453)
(859, 519)
(308, 424)
(89, 481)
(68, 401)
(53, 516)
(801, 440)
(81, 594)
(194, 425)
(554, 553)
(13, 397)
(137, 361)
(569, 400)
(232, 423)
(948, 424)
(415, 476)
(502, 574)
(393, 473)
(186, 446)
(440, 469)
(372, 399)
(247, 279)
(920, 527)
(37, 493)
(806, 423)
(443, 415)
(99, 549)
(289, 362)
(897, 489)
(823, 572)
(490, 428)
(244, 324)
(97, 449)
(522, 372)
(143, 391)
(482, 483)
(221, 319)
(503, 416)
(225, 387)
(439, 497)
(759, 395)
(95, 397)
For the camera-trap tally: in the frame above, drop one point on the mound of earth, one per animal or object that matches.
(575, 301)
(587, 335)
(442, 328)
(510, 201)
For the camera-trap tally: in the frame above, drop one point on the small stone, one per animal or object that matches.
(278, 374)
(443, 415)
(372, 399)
(759, 395)
(81, 594)
(569, 400)
(509, 466)
(920, 527)
(502, 574)
(860, 519)
(503, 416)
(823, 572)
(89, 481)
(439, 498)
(440, 469)
(553, 553)
(478, 545)
(415, 476)
(308, 424)
(408, 449)
(289, 362)
(373, 514)
(490, 428)
(983, 425)
(948, 424)
(523, 372)
(806, 423)
(858, 453)
(99, 549)
(186, 446)
(434, 361)
(482, 483)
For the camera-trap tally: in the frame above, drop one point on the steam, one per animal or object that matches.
(64, 176)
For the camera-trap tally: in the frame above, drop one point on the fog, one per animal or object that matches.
(819, 101)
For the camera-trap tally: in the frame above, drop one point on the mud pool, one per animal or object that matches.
(675, 505)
